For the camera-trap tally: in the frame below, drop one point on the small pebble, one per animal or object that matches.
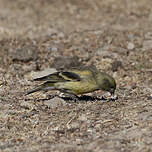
(55, 102)
(130, 46)
(150, 97)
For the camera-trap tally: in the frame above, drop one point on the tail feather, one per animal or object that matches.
(33, 90)
(45, 87)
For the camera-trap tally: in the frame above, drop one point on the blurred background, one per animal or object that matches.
(42, 17)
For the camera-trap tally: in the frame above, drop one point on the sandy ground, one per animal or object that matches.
(38, 35)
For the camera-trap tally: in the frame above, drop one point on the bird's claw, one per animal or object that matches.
(112, 98)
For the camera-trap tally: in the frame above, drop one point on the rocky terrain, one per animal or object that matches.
(39, 36)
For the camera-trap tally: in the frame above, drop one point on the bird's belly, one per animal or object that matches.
(78, 87)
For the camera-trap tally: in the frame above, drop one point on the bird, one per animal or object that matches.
(76, 81)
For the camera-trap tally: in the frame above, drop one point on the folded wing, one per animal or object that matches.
(60, 77)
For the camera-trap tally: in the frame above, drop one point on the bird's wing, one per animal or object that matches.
(60, 77)
(84, 73)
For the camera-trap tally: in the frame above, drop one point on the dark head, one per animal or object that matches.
(107, 83)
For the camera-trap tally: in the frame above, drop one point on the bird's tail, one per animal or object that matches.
(43, 87)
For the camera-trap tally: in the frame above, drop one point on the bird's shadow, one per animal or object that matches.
(84, 98)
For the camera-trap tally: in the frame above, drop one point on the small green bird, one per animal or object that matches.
(77, 81)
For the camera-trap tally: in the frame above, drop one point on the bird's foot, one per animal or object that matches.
(112, 98)
(69, 97)
(74, 97)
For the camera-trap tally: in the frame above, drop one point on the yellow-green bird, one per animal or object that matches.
(77, 81)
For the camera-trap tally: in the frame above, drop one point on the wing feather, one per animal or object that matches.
(60, 77)
(70, 75)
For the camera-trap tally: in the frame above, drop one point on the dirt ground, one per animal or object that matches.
(38, 35)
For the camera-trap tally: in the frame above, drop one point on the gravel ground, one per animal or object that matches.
(39, 36)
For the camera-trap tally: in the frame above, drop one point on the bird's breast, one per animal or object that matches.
(78, 87)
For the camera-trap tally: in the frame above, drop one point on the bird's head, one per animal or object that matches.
(107, 83)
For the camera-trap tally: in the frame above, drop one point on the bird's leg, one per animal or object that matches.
(74, 97)
(68, 93)
(114, 97)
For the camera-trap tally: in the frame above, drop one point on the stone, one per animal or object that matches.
(130, 46)
(55, 102)
(25, 54)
